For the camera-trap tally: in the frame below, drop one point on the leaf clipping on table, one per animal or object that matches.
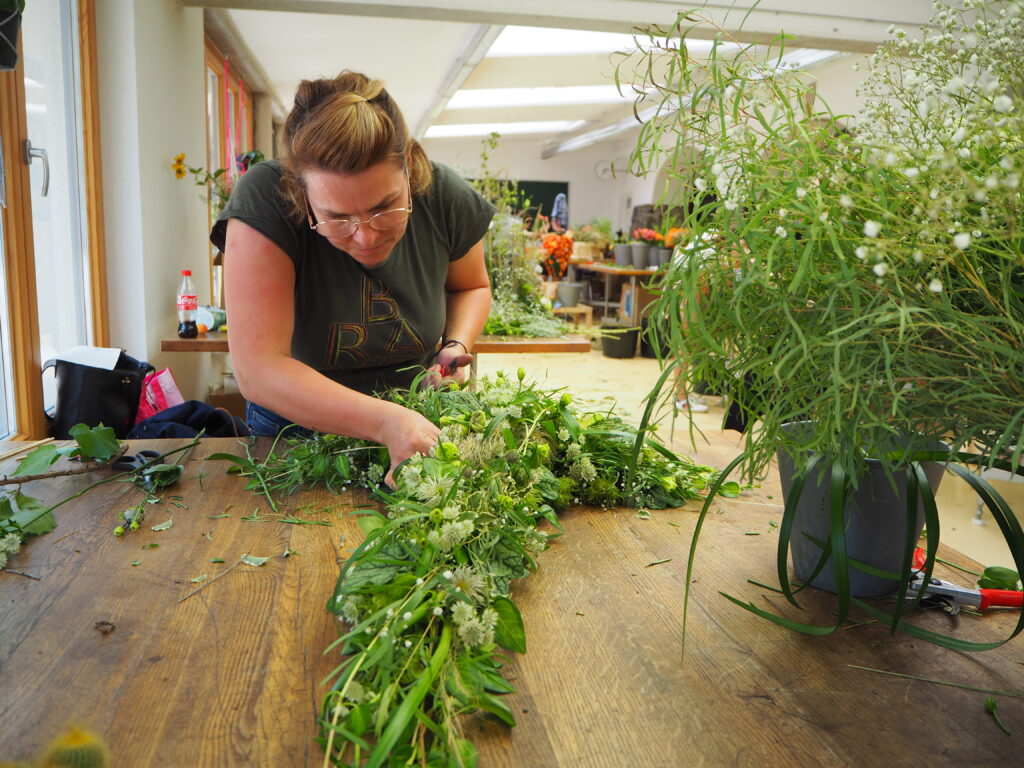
(37, 460)
(253, 560)
(164, 525)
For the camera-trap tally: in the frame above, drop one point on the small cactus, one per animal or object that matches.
(76, 748)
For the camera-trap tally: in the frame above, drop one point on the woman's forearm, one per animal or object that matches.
(466, 314)
(299, 393)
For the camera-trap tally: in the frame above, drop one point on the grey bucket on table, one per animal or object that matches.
(875, 521)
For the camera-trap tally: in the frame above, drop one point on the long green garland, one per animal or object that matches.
(425, 597)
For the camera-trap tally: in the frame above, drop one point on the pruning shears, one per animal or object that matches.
(952, 597)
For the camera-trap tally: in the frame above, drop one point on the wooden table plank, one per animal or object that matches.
(522, 345)
(211, 341)
(231, 675)
(218, 342)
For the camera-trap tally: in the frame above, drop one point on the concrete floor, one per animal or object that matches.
(598, 382)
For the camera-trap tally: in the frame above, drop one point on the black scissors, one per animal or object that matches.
(136, 461)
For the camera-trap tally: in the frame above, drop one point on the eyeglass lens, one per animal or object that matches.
(347, 227)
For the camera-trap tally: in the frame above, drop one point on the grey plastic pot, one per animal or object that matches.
(639, 253)
(623, 254)
(569, 293)
(875, 522)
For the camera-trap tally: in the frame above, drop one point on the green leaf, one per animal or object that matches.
(136, 562)
(37, 461)
(368, 523)
(496, 707)
(253, 560)
(97, 443)
(217, 560)
(27, 517)
(163, 526)
(199, 579)
(151, 545)
(509, 632)
(997, 577)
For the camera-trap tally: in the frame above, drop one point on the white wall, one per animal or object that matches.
(150, 56)
(520, 158)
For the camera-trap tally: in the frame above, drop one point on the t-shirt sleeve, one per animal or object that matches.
(465, 212)
(256, 200)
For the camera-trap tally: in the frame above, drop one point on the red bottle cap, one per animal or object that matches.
(187, 272)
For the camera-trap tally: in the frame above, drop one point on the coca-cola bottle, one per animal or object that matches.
(188, 302)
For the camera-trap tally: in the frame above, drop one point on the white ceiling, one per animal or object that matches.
(426, 51)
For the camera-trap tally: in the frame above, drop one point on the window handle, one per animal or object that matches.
(33, 152)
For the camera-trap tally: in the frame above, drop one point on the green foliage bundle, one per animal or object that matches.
(425, 598)
(518, 308)
(869, 279)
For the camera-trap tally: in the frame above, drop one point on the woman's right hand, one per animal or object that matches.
(405, 433)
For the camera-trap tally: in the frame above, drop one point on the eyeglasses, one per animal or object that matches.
(347, 227)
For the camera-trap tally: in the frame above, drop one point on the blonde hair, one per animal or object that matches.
(346, 124)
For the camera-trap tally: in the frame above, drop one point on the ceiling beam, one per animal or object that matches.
(476, 48)
(832, 24)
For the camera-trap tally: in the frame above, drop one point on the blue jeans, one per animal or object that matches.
(263, 422)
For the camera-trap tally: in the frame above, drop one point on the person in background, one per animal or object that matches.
(351, 264)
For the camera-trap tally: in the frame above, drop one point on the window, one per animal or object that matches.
(228, 132)
(51, 240)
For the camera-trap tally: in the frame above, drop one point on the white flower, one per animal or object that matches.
(861, 252)
(10, 543)
(872, 228)
(935, 286)
(730, 205)
(846, 201)
(447, 575)
(962, 240)
(1002, 104)
(408, 643)
(801, 193)
(918, 257)
(881, 268)
(470, 583)
(911, 173)
(407, 615)
(438, 610)
(783, 213)
(700, 184)
(780, 231)
(462, 612)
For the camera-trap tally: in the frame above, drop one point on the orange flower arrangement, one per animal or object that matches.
(557, 249)
(676, 235)
(647, 235)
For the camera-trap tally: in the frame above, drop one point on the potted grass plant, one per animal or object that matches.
(860, 295)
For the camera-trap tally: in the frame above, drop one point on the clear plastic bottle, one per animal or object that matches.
(188, 302)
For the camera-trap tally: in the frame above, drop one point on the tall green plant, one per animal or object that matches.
(518, 308)
(863, 275)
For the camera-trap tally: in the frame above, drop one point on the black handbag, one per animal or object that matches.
(94, 396)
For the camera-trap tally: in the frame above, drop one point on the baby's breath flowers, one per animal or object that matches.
(885, 248)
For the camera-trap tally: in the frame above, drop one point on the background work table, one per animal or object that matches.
(218, 342)
(230, 676)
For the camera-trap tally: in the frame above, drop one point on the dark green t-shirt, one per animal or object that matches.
(360, 325)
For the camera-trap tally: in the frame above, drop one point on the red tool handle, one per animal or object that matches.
(1006, 598)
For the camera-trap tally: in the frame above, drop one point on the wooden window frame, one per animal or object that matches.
(19, 252)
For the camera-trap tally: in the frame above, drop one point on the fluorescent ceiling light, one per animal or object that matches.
(543, 41)
(483, 129)
(533, 97)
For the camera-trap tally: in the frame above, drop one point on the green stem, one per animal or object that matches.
(107, 480)
(940, 682)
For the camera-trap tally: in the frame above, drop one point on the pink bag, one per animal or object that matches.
(159, 392)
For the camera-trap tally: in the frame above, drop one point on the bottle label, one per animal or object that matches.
(187, 301)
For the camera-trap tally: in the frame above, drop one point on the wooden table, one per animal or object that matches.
(231, 675)
(218, 342)
(214, 341)
(609, 271)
